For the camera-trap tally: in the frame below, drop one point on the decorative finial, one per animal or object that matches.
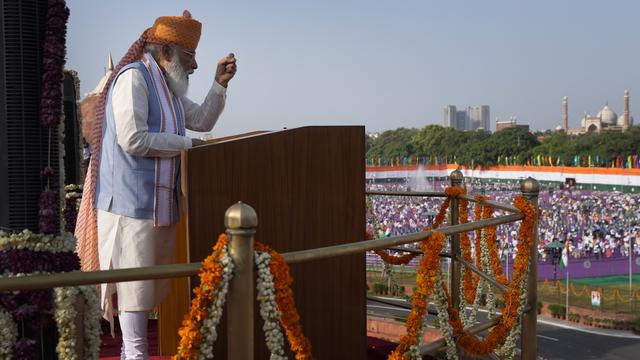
(240, 216)
(456, 177)
(186, 14)
(530, 186)
(110, 62)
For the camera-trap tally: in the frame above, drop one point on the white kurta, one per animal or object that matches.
(126, 242)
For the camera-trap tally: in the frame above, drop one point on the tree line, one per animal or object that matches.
(438, 144)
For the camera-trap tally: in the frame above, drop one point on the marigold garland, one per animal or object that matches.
(210, 275)
(492, 244)
(289, 318)
(509, 316)
(391, 259)
(425, 279)
(213, 279)
(470, 281)
(429, 267)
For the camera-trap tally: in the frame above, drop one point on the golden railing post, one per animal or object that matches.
(241, 221)
(455, 269)
(529, 342)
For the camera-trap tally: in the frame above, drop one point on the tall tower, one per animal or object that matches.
(450, 116)
(565, 114)
(625, 124)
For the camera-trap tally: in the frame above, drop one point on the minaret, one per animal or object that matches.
(625, 123)
(110, 63)
(565, 114)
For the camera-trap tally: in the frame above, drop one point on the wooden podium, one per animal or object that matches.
(307, 187)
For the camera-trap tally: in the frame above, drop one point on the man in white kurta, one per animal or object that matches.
(127, 241)
(146, 245)
(142, 244)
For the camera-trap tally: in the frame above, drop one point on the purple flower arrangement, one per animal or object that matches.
(33, 308)
(48, 212)
(47, 205)
(25, 261)
(53, 54)
(24, 349)
(70, 214)
(53, 63)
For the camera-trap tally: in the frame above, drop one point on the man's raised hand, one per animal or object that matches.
(226, 69)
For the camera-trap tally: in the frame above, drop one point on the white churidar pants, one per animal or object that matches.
(134, 335)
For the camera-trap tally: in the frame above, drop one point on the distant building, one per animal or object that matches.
(472, 118)
(479, 117)
(606, 119)
(462, 120)
(512, 122)
(450, 116)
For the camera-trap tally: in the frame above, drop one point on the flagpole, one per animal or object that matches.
(567, 301)
(631, 241)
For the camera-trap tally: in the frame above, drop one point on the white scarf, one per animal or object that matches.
(171, 123)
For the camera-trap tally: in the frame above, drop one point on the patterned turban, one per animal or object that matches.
(183, 31)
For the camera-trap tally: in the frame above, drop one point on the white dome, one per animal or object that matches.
(621, 120)
(608, 116)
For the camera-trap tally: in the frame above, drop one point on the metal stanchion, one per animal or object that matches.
(241, 221)
(530, 189)
(455, 269)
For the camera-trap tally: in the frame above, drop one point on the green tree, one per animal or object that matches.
(392, 143)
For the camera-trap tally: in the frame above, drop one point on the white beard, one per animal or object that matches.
(177, 78)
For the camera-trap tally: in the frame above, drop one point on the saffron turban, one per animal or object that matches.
(183, 31)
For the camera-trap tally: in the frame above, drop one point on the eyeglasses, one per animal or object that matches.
(191, 53)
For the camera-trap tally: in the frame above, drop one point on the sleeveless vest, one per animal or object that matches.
(126, 182)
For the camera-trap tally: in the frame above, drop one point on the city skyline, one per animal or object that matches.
(387, 66)
(473, 117)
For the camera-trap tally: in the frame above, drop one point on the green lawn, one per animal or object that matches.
(614, 290)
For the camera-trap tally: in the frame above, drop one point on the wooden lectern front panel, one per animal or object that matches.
(307, 187)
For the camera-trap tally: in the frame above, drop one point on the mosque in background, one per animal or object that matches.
(606, 119)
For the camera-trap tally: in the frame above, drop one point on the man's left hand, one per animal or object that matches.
(226, 69)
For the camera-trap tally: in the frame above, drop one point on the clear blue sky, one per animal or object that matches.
(387, 64)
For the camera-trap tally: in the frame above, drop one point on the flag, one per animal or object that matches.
(564, 262)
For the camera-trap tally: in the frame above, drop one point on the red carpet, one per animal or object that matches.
(110, 347)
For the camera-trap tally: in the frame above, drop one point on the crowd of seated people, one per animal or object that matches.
(597, 224)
